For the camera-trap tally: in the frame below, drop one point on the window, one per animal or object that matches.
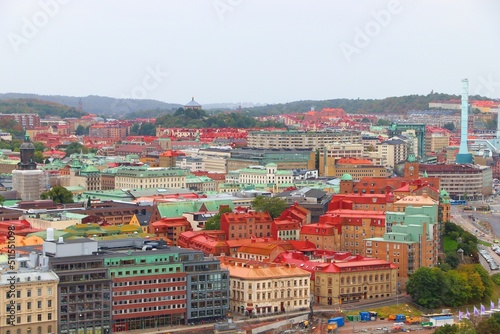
(28, 305)
(28, 293)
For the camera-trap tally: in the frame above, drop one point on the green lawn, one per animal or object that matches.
(450, 245)
(484, 243)
(385, 311)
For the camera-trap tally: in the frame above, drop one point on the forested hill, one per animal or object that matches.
(99, 105)
(34, 106)
(400, 104)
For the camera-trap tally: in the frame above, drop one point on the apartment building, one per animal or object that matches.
(26, 121)
(109, 130)
(155, 177)
(394, 151)
(462, 180)
(357, 168)
(413, 241)
(259, 288)
(29, 297)
(285, 158)
(244, 225)
(323, 236)
(110, 286)
(312, 140)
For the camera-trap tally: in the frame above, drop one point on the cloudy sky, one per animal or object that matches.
(262, 51)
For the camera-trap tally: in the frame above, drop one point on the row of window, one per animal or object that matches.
(150, 309)
(29, 305)
(30, 331)
(280, 284)
(148, 300)
(137, 292)
(151, 281)
(39, 292)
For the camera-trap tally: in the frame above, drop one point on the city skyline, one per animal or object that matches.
(232, 51)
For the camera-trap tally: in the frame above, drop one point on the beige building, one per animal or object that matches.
(436, 141)
(394, 151)
(215, 159)
(156, 177)
(300, 139)
(263, 288)
(29, 184)
(29, 299)
(344, 282)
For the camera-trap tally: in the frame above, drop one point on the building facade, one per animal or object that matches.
(143, 177)
(263, 288)
(300, 139)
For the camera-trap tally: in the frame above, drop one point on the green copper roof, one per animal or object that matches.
(346, 177)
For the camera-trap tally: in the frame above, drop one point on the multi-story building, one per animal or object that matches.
(462, 180)
(193, 164)
(289, 158)
(355, 226)
(109, 130)
(323, 236)
(26, 121)
(170, 228)
(301, 139)
(357, 168)
(287, 225)
(312, 199)
(264, 288)
(394, 151)
(29, 298)
(436, 139)
(144, 177)
(244, 225)
(412, 243)
(201, 183)
(268, 174)
(85, 289)
(355, 280)
(215, 159)
(330, 153)
(111, 287)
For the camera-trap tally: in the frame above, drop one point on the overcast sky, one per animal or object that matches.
(262, 51)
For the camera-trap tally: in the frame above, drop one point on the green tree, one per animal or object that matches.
(134, 130)
(274, 205)
(147, 129)
(75, 148)
(39, 157)
(2, 200)
(80, 130)
(425, 286)
(213, 223)
(58, 194)
(489, 325)
(456, 289)
(449, 126)
(452, 260)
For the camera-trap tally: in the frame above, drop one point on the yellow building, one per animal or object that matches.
(31, 298)
(344, 282)
(263, 288)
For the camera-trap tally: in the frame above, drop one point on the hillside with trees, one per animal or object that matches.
(190, 118)
(99, 105)
(400, 104)
(34, 106)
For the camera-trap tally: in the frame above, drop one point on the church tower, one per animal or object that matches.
(27, 153)
(28, 181)
(411, 170)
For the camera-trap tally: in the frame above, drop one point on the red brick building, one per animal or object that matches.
(244, 225)
(170, 228)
